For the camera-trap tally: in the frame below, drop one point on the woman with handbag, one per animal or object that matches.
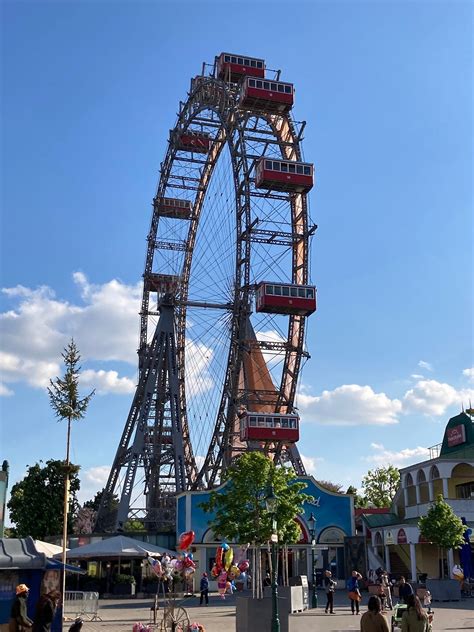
(354, 592)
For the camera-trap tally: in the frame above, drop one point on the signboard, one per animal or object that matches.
(456, 435)
(402, 537)
(389, 537)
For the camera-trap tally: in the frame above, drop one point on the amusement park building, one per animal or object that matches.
(394, 539)
(334, 530)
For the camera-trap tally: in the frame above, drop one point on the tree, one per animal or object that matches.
(442, 527)
(95, 502)
(332, 487)
(36, 501)
(66, 403)
(240, 511)
(380, 485)
(359, 501)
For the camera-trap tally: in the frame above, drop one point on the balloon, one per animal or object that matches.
(228, 557)
(188, 572)
(185, 540)
(225, 546)
(235, 571)
(219, 555)
(243, 566)
(214, 571)
(227, 585)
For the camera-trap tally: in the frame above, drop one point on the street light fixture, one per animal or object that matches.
(271, 503)
(312, 533)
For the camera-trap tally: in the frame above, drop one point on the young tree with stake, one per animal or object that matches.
(66, 403)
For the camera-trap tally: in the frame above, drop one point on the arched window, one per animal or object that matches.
(423, 489)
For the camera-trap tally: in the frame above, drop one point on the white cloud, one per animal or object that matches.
(415, 376)
(425, 365)
(106, 382)
(431, 397)
(311, 463)
(401, 458)
(34, 332)
(349, 405)
(5, 391)
(93, 480)
(469, 373)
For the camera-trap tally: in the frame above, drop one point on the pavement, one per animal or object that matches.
(219, 616)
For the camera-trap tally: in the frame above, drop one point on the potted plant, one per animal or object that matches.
(124, 585)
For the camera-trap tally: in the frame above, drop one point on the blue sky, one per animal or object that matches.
(90, 90)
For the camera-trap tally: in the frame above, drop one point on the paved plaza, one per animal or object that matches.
(219, 616)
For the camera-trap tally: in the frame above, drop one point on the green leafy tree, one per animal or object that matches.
(133, 525)
(94, 503)
(332, 487)
(36, 502)
(240, 511)
(442, 527)
(380, 485)
(359, 501)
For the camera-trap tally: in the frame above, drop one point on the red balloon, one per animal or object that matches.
(185, 540)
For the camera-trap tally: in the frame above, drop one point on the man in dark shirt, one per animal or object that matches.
(19, 619)
(404, 589)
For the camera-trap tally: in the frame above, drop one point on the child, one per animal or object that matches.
(427, 601)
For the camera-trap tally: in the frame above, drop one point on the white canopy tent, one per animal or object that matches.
(116, 547)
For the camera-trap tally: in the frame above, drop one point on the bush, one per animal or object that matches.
(124, 579)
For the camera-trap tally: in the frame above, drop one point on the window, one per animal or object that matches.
(277, 290)
(261, 422)
(268, 422)
(227, 58)
(285, 291)
(466, 490)
(252, 421)
(240, 61)
(309, 293)
(294, 291)
(299, 169)
(276, 166)
(269, 289)
(284, 423)
(247, 62)
(307, 171)
(288, 89)
(233, 60)
(252, 83)
(266, 85)
(253, 63)
(284, 167)
(268, 164)
(273, 86)
(259, 64)
(260, 84)
(281, 88)
(301, 292)
(292, 168)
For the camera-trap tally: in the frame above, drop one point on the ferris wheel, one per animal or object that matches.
(227, 267)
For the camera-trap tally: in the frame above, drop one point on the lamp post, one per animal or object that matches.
(312, 533)
(271, 503)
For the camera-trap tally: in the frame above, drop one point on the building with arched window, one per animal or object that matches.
(394, 541)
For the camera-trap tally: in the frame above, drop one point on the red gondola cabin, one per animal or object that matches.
(277, 298)
(258, 94)
(161, 283)
(234, 67)
(173, 207)
(197, 142)
(273, 427)
(284, 175)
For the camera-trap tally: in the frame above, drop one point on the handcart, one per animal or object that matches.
(175, 618)
(399, 610)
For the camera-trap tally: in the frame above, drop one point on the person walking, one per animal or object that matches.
(330, 586)
(373, 620)
(354, 592)
(404, 589)
(204, 588)
(19, 619)
(415, 618)
(45, 611)
(385, 581)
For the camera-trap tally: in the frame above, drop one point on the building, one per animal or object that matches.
(3, 496)
(394, 540)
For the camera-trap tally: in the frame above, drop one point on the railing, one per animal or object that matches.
(435, 450)
(81, 604)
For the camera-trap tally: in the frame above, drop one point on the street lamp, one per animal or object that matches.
(312, 533)
(271, 503)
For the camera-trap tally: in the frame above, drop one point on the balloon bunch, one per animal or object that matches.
(176, 568)
(227, 568)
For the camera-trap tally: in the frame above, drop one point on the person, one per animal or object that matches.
(267, 581)
(204, 588)
(427, 601)
(404, 589)
(354, 591)
(330, 586)
(77, 625)
(373, 620)
(415, 618)
(385, 581)
(19, 619)
(45, 611)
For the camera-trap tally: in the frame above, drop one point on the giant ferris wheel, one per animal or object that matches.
(226, 295)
